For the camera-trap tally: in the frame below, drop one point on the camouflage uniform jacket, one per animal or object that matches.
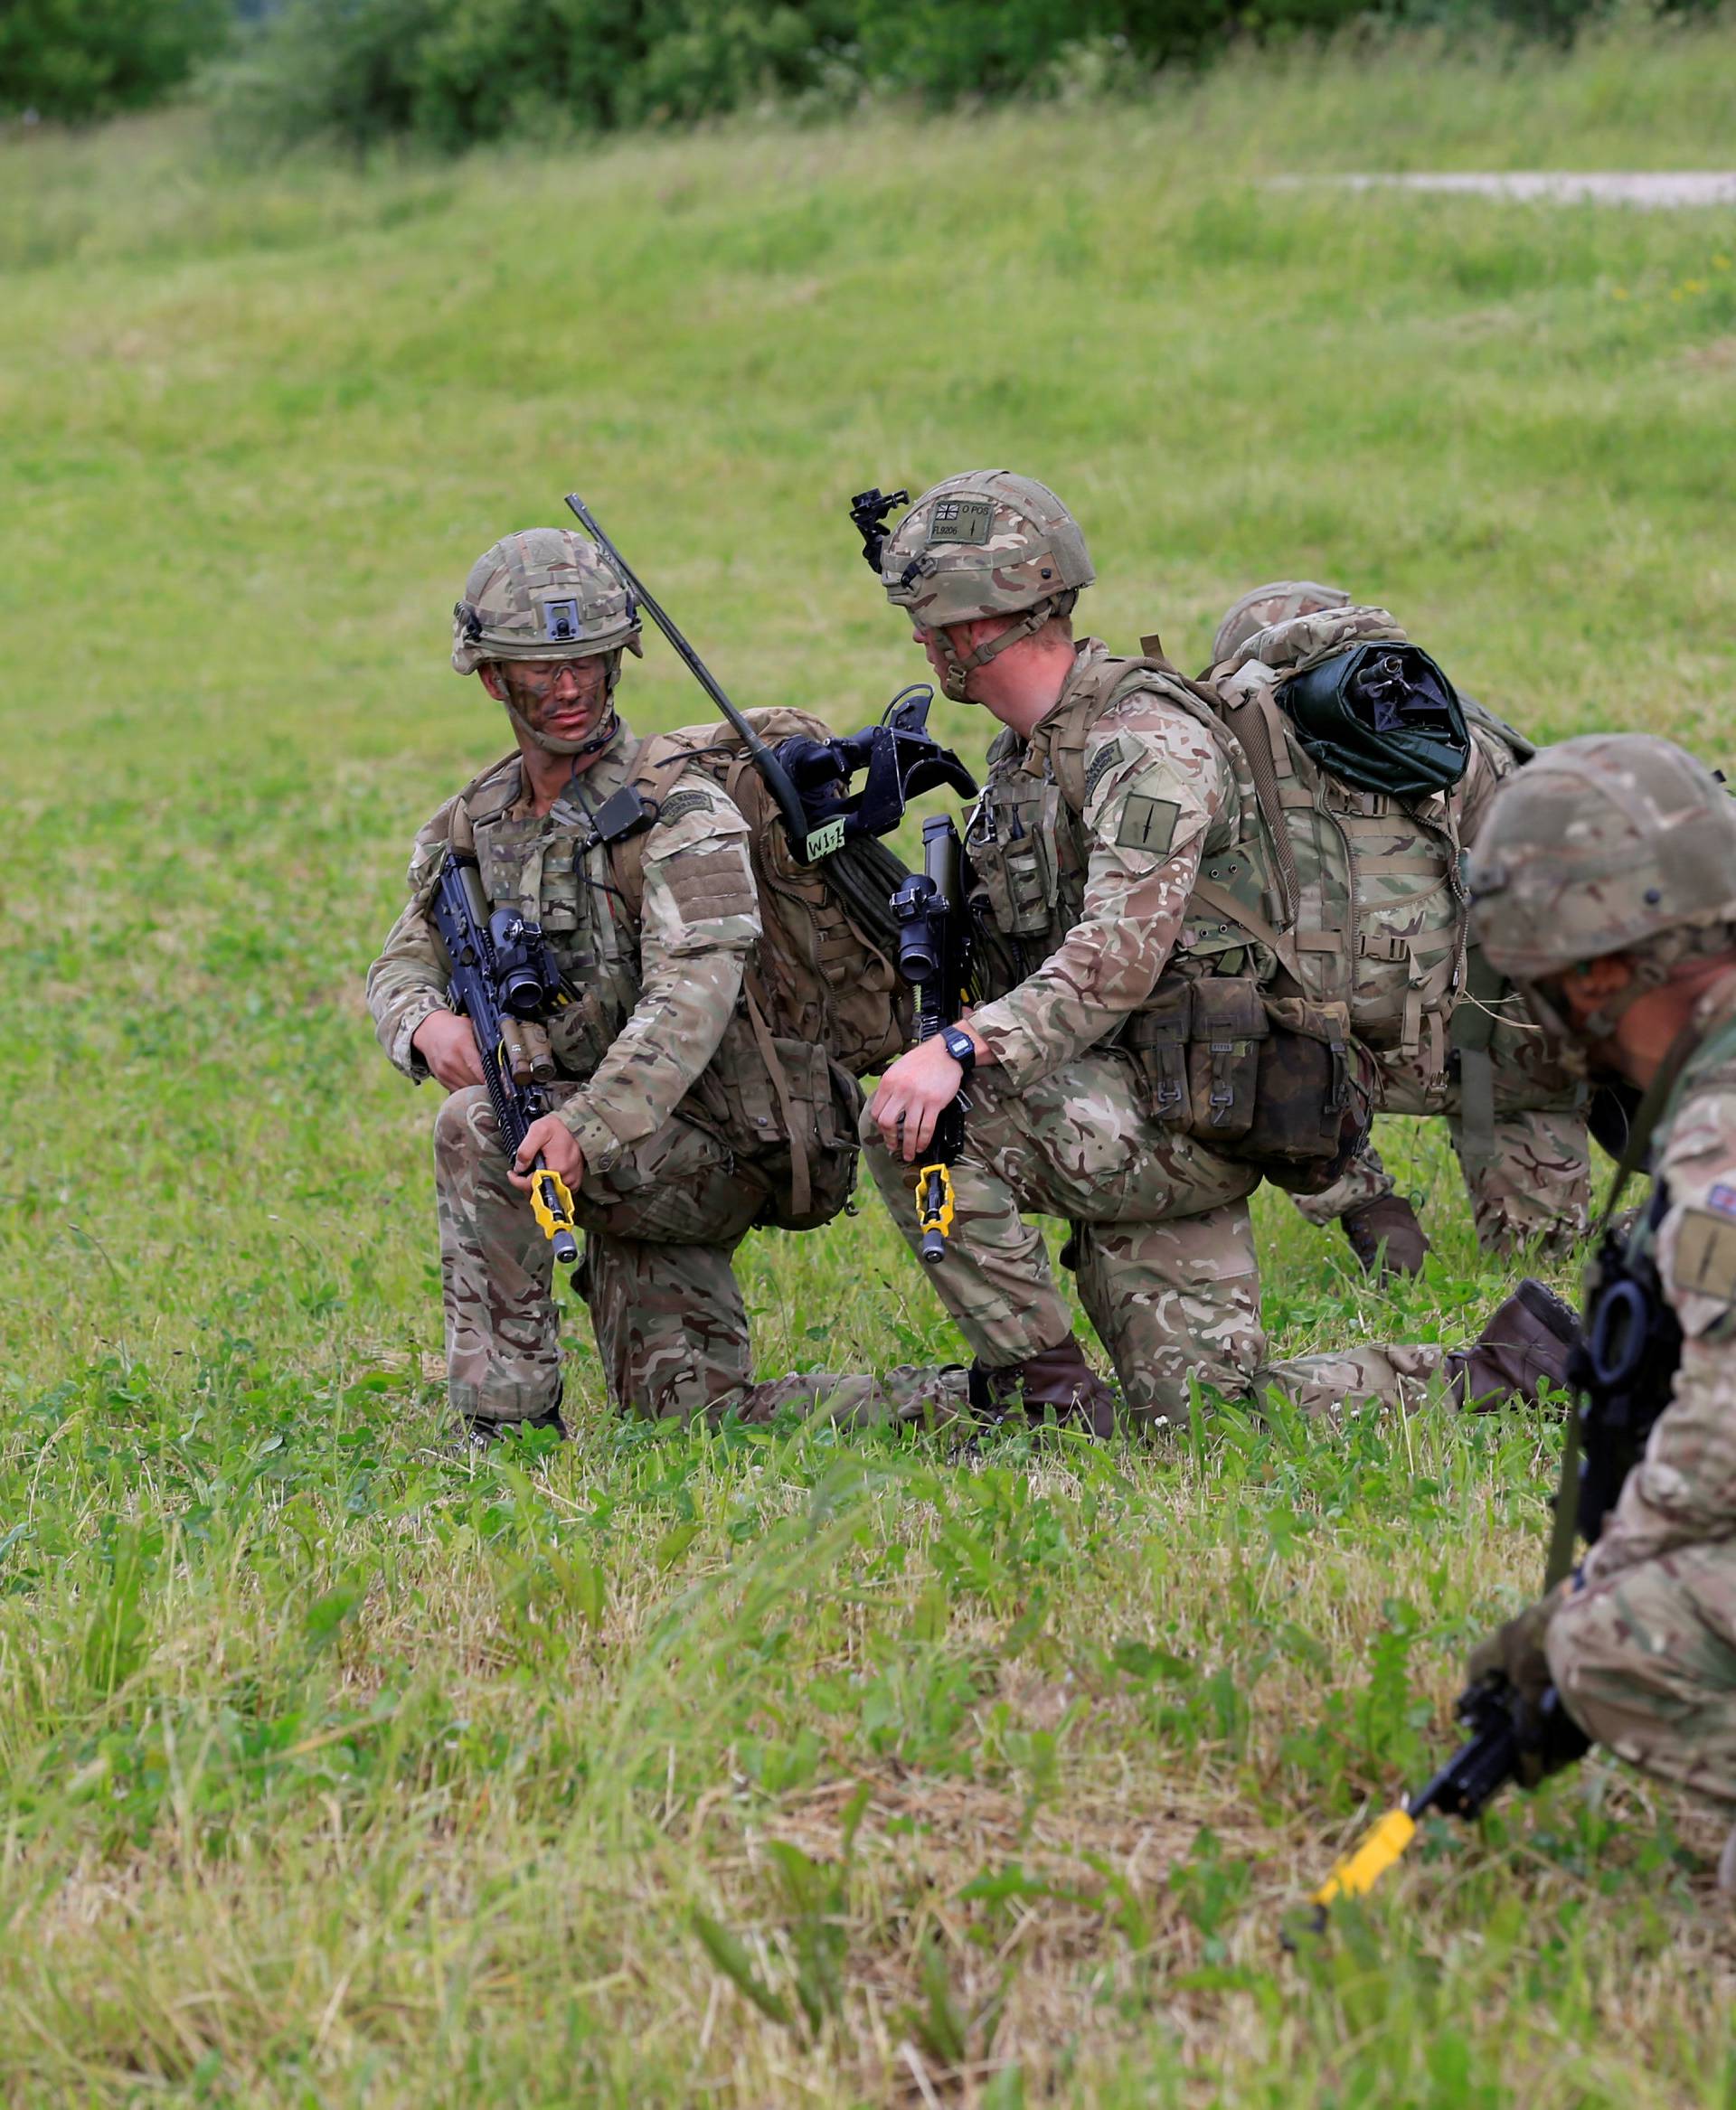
(649, 995)
(1095, 904)
(1683, 1492)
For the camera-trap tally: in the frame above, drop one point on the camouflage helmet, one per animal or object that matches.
(1615, 843)
(541, 594)
(1281, 601)
(985, 543)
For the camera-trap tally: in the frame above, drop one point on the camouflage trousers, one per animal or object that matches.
(660, 1229)
(1529, 1176)
(1647, 1664)
(1163, 1245)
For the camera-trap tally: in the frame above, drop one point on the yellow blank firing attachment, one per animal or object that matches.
(934, 1210)
(551, 1205)
(1356, 1875)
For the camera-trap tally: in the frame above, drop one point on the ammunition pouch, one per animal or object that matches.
(1267, 1080)
(1228, 1027)
(1012, 848)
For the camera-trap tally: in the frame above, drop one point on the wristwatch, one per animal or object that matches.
(959, 1045)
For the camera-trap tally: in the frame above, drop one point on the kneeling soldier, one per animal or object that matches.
(1518, 1121)
(1604, 882)
(1121, 862)
(653, 1009)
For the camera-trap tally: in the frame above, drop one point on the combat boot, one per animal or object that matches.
(1058, 1377)
(481, 1432)
(1531, 1338)
(1385, 1237)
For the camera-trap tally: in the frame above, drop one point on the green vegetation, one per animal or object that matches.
(78, 58)
(782, 1768)
(453, 72)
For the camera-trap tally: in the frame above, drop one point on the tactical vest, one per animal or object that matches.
(767, 1095)
(554, 868)
(1230, 1045)
(1030, 850)
(1370, 885)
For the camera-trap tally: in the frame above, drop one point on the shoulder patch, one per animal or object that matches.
(1148, 825)
(1722, 1198)
(1705, 1253)
(1102, 762)
(679, 802)
(709, 883)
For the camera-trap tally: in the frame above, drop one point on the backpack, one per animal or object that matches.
(1373, 896)
(823, 1002)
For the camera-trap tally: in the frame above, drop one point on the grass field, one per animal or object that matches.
(774, 1767)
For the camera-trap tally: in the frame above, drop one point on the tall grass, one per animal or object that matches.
(780, 1766)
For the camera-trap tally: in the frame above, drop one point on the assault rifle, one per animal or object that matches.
(934, 957)
(1621, 1368)
(505, 981)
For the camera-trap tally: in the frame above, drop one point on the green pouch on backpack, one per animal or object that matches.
(1382, 717)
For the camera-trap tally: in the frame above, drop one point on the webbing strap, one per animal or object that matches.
(1476, 1105)
(1253, 734)
(801, 1191)
(1559, 1562)
(1224, 903)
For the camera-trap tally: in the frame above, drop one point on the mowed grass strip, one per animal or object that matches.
(782, 1768)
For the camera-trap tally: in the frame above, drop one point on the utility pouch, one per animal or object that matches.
(581, 1032)
(1225, 1046)
(827, 1101)
(1012, 853)
(1311, 1107)
(1156, 1041)
(756, 1113)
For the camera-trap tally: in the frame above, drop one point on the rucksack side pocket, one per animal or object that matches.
(1312, 1103)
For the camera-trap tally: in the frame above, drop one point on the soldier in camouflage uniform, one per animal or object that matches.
(653, 1010)
(1107, 791)
(1605, 882)
(1525, 1161)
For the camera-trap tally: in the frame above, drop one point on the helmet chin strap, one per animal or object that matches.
(959, 670)
(1649, 974)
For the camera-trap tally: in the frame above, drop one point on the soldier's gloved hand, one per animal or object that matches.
(1516, 1651)
(1512, 1667)
(554, 1140)
(446, 1042)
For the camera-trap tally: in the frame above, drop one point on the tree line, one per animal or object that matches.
(452, 72)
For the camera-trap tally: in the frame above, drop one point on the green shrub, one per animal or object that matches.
(453, 71)
(78, 58)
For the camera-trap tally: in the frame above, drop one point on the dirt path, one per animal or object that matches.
(1663, 188)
